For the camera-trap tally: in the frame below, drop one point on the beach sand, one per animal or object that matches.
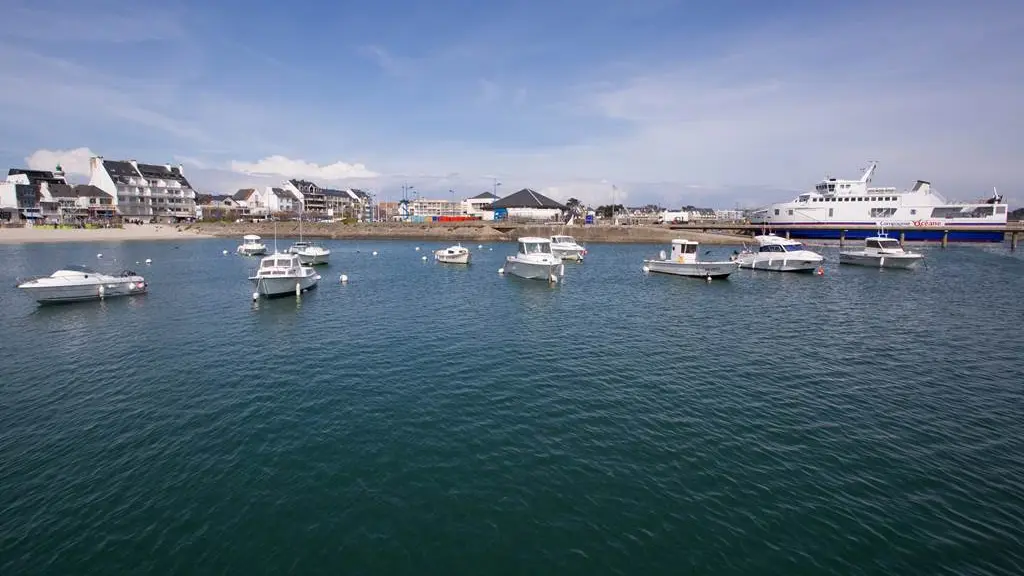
(129, 232)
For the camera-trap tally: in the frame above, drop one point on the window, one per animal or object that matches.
(776, 211)
(1000, 209)
(794, 247)
(789, 212)
(830, 212)
(913, 211)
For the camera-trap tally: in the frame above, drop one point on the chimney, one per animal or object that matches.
(134, 164)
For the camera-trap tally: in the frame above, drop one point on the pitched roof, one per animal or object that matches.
(61, 191)
(304, 185)
(527, 198)
(244, 193)
(164, 173)
(484, 195)
(335, 193)
(36, 176)
(120, 168)
(90, 191)
(362, 194)
(283, 194)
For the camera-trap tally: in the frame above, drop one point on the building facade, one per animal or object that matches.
(156, 192)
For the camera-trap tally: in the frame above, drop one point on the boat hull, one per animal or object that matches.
(533, 270)
(692, 269)
(253, 251)
(573, 254)
(452, 258)
(757, 262)
(314, 259)
(282, 286)
(900, 261)
(83, 292)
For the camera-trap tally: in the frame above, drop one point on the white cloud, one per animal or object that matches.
(72, 161)
(282, 166)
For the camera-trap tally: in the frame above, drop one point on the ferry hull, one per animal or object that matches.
(914, 235)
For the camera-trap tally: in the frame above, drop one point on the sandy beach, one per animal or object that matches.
(129, 232)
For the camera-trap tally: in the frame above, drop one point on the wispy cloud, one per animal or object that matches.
(281, 166)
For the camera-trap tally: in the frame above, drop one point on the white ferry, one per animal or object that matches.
(922, 211)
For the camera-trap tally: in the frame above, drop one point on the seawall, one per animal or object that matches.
(462, 231)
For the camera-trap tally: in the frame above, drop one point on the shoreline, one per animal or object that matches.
(475, 232)
(132, 232)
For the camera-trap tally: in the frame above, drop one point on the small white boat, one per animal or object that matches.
(252, 245)
(310, 254)
(535, 261)
(452, 255)
(779, 254)
(76, 283)
(881, 252)
(566, 248)
(281, 274)
(683, 262)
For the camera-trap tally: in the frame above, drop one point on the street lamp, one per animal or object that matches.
(452, 190)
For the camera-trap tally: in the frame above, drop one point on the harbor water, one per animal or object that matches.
(433, 419)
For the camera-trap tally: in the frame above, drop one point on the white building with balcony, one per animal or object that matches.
(480, 206)
(281, 200)
(145, 191)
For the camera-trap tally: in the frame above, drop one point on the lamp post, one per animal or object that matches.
(452, 190)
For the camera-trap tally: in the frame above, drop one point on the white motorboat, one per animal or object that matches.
(683, 262)
(76, 283)
(252, 245)
(566, 248)
(535, 261)
(310, 254)
(281, 274)
(452, 255)
(779, 254)
(881, 252)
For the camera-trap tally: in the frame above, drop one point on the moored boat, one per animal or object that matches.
(77, 283)
(683, 262)
(453, 255)
(281, 274)
(252, 245)
(881, 252)
(566, 248)
(779, 254)
(534, 261)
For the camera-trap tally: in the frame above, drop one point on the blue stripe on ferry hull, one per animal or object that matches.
(916, 235)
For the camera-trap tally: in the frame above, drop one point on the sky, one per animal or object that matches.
(722, 104)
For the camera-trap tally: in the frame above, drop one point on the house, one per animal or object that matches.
(281, 200)
(145, 191)
(41, 195)
(528, 204)
(311, 196)
(221, 207)
(338, 203)
(480, 206)
(252, 200)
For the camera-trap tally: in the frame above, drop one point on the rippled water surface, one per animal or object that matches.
(431, 419)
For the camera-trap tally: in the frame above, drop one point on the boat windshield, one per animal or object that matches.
(77, 268)
(793, 247)
(535, 248)
(885, 243)
(563, 239)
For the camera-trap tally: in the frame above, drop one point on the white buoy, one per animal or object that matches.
(344, 279)
(136, 261)
(224, 252)
(423, 258)
(374, 252)
(101, 291)
(480, 246)
(99, 255)
(501, 271)
(255, 296)
(149, 261)
(490, 249)
(709, 278)
(417, 248)
(554, 279)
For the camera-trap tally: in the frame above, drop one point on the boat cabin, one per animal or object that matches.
(534, 246)
(563, 240)
(684, 251)
(279, 265)
(251, 239)
(882, 243)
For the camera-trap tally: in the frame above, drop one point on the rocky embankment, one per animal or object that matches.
(463, 231)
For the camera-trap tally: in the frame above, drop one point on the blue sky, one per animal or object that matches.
(713, 103)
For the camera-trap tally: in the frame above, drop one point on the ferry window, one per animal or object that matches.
(789, 212)
(776, 211)
(830, 212)
(1000, 209)
(913, 211)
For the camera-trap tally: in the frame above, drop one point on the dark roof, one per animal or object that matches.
(61, 191)
(335, 193)
(243, 193)
(283, 194)
(37, 176)
(304, 185)
(90, 191)
(361, 193)
(164, 173)
(527, 198)
(120, 168)
(484, 195)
